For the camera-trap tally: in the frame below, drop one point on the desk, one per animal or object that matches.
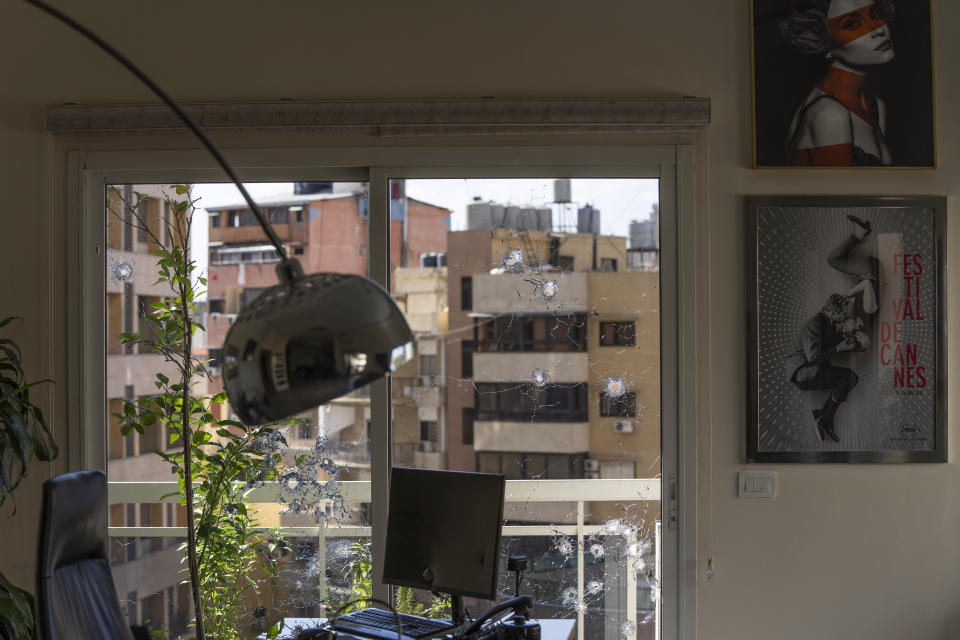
(549, 629)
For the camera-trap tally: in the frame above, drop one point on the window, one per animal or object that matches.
(466, 358)
(428, 365)
(278, 215)
(608, 264)
(298, 251)
(622, 334)
(215, 305)
(532, 466)
(428, 431)
(561, 395)
(466, 293)
(215, 220)
(624, 406)
(561, 402)
(234, 218)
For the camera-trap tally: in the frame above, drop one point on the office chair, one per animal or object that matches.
(75, 591)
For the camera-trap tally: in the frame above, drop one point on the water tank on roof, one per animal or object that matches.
(588, 220)
(545, 219)
(479, 215)
(527, 218)
(561, 191)
(511, 218)
(497, 213)
(644, 234)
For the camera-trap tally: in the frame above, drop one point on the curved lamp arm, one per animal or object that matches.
(187, 120)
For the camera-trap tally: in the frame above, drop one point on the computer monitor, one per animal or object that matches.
(443, 532)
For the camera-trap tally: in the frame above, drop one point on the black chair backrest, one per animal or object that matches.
(75, 589)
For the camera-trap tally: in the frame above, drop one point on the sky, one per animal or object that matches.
(619, 200)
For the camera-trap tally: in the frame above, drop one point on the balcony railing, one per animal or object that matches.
(518, 491)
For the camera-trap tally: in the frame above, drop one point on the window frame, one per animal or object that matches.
(88, 171)
(615, 326)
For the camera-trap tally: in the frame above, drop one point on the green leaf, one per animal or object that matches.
(181, 189)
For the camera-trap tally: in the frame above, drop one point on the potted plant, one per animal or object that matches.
(24, 436)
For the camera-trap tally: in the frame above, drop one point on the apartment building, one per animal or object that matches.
(557, 354)
(146, 571)
(324, 225)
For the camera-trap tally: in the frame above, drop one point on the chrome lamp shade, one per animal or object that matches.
(309, 340)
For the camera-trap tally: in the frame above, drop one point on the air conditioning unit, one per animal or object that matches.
(623, 426)
(428, 446)
(591, 466)
(592, 475)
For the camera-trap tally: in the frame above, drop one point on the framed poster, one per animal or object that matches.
(847, 331)
(842, 83)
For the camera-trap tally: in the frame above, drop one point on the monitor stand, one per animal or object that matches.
(456, 609)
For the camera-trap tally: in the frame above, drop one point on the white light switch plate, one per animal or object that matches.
(757, 484)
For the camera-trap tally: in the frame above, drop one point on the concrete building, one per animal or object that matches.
(533, 344)
(419, 387)
(146, 571)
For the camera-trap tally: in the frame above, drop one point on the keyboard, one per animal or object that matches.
(377, 623)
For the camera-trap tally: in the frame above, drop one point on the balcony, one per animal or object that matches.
(509, 294)
(620, 575)
(540, 437)
(249, 234)
(561, 367)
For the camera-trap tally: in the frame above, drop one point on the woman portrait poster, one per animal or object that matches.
(843, 83)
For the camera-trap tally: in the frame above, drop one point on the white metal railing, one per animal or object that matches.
(517, 491)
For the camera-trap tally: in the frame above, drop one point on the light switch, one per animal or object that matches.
(757, 484)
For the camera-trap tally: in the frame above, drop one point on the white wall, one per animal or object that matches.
(843, 551)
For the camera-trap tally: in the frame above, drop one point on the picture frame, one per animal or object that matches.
(846, 321)
(826, 94)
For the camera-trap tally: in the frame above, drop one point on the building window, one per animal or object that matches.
(278, 215)
(468, 417)
(466, 358)
(234, 218)
(566, 402)
(428, 431)
(215, 305)
(215, 220)
(617, 334)
(130, 441)
(428, 365)
(608, 264)
(624, 406)
(532, 466)
(466, 293)
(298, 251)
(565, 263)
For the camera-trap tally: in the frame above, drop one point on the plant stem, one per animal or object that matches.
(187, 460)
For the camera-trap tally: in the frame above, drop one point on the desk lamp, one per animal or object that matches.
(308, 339)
